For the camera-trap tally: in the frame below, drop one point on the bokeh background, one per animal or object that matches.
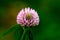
(48, 10)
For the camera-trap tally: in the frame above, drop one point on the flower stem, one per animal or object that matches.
(23, 35)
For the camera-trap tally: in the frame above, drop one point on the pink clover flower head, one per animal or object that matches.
(28, 17)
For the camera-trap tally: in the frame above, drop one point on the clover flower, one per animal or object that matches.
(28, 17)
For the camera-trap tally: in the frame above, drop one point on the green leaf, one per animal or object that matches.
(18, 33)
(11, 29)
(28, 35)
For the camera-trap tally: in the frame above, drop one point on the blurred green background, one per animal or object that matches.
(48, 10)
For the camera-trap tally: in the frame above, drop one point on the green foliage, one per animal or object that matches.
(18, 33)
(9, 30)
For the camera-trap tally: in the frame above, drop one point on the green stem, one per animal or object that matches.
(25, 30)
(23, 35)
